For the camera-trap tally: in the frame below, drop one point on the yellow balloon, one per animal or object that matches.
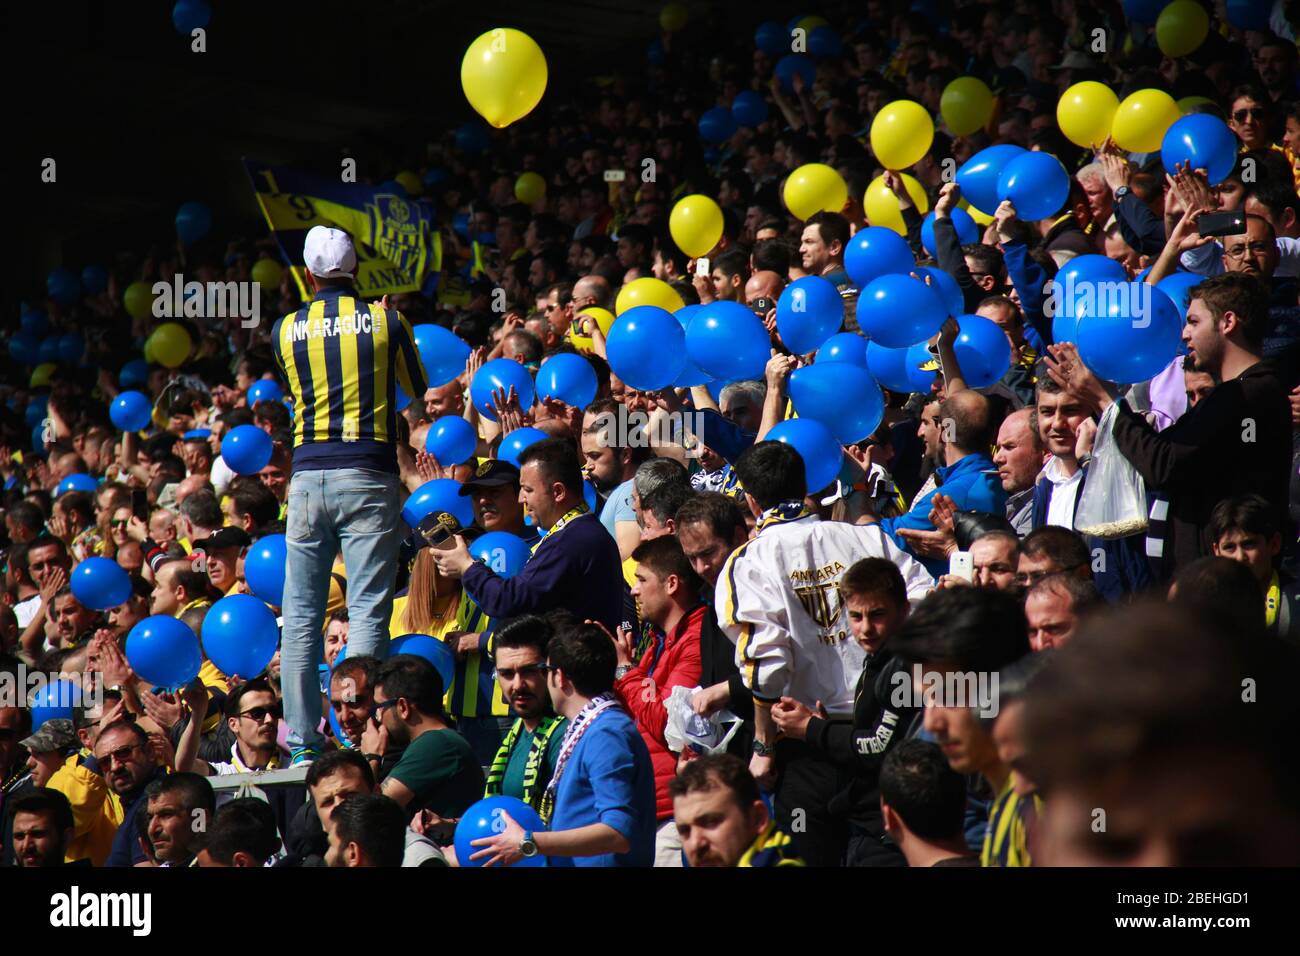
(267, 273)
(1182, 27)
(901, 134)
(503, 75)
(412, 183)
(147, 352)
(980, 216)
(695, 224)
(647, 291)
(966, 105)
(814, 188)
(138, 300)
(1188, 104)
(604, 319)
(881, 205)
(41, 374)
(811, 23)
(673, 17)
(171, 344)
(1085, 112)
(1143, 119)
(530, 188)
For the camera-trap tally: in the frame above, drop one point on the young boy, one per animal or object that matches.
(1243, 528)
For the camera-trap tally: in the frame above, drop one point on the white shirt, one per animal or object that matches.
(1065, 491)
(26, 610)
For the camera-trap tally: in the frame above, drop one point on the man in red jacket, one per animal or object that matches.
(668, 592)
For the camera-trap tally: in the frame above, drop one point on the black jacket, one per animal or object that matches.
(718, 664)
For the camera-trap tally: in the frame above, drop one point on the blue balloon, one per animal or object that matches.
(190, 15)
(35, 323)
(71, 348)
(25, 348)
(451, 440)
(460, 224)
(685, 314)
(472, 137)
(442, 353)
(513, 445)
(133, 373)
(821, 453)
(978, 176)
(823, 42)
(1205, 142)
(899, 369)
(63, 286)
(100, 584)
(1242, 14)
(38, 440)
(264, 568)
(748, 108)
(568, 377)
(264, 390)
(898, 311)
(483, 819)
(77, 482)
(690, 376)
(1036, 183)
(1130, 333)
(56, 700)
(164, 650)
(240, 635)
(728, 341)
(645, 347)
(1077, 281)
(434, 651)
(246, 450)
(808, 312)
(435, 177)
(793, 63)
(717, 125)
(842, 396)
(94, 279)
(34, 414)
(772, 38)
(967, 230)
(130, 411)
(503, 552)
(844, 347)
(943, 283)
(193, 220)
(393, 186)
(874, 252)
(1178, 287)
(440, 494)
(401, 401)
(983, 351)
(654, 52)
(1143, 11)
(49, 349)
(501, 373)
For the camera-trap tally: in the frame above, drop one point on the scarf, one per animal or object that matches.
(533, 769)
(785, 511)
(593, 708)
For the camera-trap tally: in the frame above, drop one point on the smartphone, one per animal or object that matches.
(702, 266)
(961, 566)
(1222, 224)
(761, 306)
(140, 503)
(438, 528)
(615, 175)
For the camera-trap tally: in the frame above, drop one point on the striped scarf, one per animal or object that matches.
(579, 726)
(534, 769)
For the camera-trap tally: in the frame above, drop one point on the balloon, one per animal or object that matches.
(530, 188)
(809, 23)
(717, 125)
(134, 372)
(513, 445)
(138, 300)
(412, 183)
(881, 205)
(966, 105)
(264, 567)
(42, 375)
(983, 351)
(1191, 104)
(695, 224)
(440, 494)
(36, 409)
(729, 342)
(503, 552)
(434, 651)
(264, 390)
(808, 312)
(1178, 287)
(435, 177)
(25, 348)
(451, 440)
(794, 63)
(604, 320)
(503, 75)
(472, 138)
(820, 452)
(1181, 28)
(645, 348)
(442, 353)
(63, 286)
(190, 15)
(164, 651)
(1036, 183)
(240, 635)
(170, 344)
(978, 176)
(898, 369)
(246, 449)
(1204, 141)
(568, 378)
(1085, 111)
(824, 42)
(193, 220)
(483, 819)
(71, 348)
(38, 439)
(501, 373)
(267, 273)
(876, 251)
(772, 38)
(49, 351)
(1077, 279)
(130, 411)
(749, 108)
(1248, 14)
(949, 291)
(77, 482)
(57, 700)
(814, 188)
(673, 17)
(844, 347)
(901, 134)
(967, 231)
(898, 311)
(35, 323)
(1143, 119)
(1143, 11)
(100, 584)
(843, 397)
(647, 291)
(1130, 334)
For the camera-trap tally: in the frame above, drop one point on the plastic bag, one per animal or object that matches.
(686, 728)
(1114, 497)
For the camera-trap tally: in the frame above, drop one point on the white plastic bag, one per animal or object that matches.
(1114, 502)
(686, 728)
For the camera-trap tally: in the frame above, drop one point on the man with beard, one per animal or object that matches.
(352, 696)
(123, 754)
(180, 808)
(610, 460)
(41, 825)
(253, 716)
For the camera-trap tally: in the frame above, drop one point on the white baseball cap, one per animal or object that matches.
(329, 254)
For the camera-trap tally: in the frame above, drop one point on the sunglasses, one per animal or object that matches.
(121, 755)
(118, 524)
(259, 714)
(1254, 113)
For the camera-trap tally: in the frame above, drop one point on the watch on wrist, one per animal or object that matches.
(527, 846)
(369, 757)
(1121, 192)
(621, 671)
(762, 749)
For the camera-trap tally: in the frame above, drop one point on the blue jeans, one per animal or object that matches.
(357, 511)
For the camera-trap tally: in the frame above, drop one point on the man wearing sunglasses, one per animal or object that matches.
(253, 715)
(123, 754)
